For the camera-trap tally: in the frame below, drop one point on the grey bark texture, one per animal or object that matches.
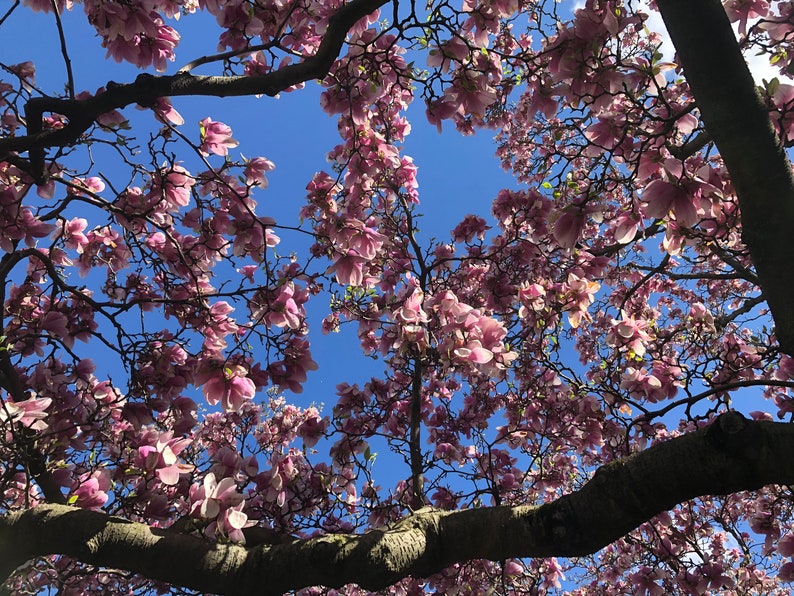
(730, 455)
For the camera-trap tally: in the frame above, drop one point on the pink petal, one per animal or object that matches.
(169, 475)
(659, 195)
(481, 355)
(236, 519)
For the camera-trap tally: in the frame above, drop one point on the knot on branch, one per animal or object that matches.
(728, 431)
(146, 92)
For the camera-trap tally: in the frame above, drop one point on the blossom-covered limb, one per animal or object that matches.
(733, 454)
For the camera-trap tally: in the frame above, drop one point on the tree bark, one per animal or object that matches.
(730, 455)
(738, 121)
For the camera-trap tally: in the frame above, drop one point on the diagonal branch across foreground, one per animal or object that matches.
(730, 455)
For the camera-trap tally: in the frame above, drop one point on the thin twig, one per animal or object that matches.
(8, 12)
(224, 56)
(67, 62)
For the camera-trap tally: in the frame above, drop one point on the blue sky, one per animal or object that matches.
(457, 174)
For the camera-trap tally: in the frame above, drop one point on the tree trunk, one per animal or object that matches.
(738, 121)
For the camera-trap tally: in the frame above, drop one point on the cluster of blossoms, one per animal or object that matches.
(471, 336)
(624, 251)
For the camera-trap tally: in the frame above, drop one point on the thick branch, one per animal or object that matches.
(738, 121)
(147, 88)
(732, 454)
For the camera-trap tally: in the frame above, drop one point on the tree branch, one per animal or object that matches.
(415, 438)
(148, 88)
(64, 50)
(730, 455)
(738, 121)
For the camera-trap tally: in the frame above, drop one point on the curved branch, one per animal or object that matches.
(731, 454)
(146, 89)
(738, 121)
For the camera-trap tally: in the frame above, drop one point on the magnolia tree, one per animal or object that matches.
(562, 390)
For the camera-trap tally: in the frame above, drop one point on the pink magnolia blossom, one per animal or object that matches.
(91, 490)
(411, 310)
(165, 112)
(662, 197)
(209, 498)
(513, 568)
(174, 184)
(786, 572)
(291, 372)
(579, 293)
(471, 227)
(349, 269)
(640, 383)
(227, 384)
(216, 137)
(255, 170)
(221, 503)
(785, 546)
(742, 11)
(626, 228)
(783, 99)
(442, 56)
(284, 308)
(532, 298)
(472, 337)
(358, 238)
(25, 70)
(72, 233)
(568, 228)
(629, 334)
(312, 428)
(248, 272)
(30, 413)
(162, 458)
